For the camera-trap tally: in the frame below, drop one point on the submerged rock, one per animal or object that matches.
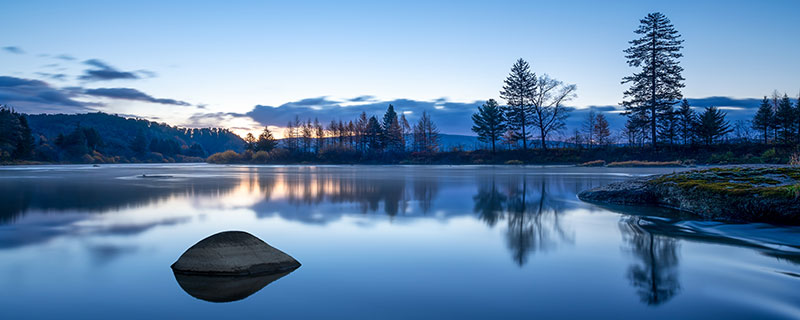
(233, 253)
(763, 194)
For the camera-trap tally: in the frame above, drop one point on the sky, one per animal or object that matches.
(248, 64)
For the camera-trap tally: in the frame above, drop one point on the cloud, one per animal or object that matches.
(65, 57)
(451, 117)
(751, 103)
(362, 99)
(131, 94)
(102, 71)
(14, 50)
(54, 76)
(35, 96)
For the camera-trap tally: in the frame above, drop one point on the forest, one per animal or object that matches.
(104, 138)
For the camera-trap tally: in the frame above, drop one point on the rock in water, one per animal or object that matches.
(233, 253)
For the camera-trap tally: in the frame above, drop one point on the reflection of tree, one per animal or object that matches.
(368, 192)
(654, 273)
(489, 203)
(533, 220)
(96, 195)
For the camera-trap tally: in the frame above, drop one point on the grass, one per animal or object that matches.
(636, 163)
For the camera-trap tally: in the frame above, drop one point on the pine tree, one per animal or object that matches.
(319, 135)
(764, 119)
(249, 142)
(657, 86)
(686, 122)
(711, 125)
(265, 142)
(518, 91)
(668, 127)
(374, 134)
(406, 129)
(489, 123)
(601, 130)
(393, 132)
(785, 117)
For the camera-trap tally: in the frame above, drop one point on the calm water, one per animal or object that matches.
(380, 242)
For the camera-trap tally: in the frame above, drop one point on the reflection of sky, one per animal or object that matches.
(358, 260)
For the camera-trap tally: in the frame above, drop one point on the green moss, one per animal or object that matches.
(739, 181)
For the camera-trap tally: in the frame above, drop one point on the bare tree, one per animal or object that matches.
(548, 110)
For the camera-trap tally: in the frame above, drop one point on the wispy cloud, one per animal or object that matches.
(131, 94)
(35, 96)
(14, 50)
(103, 71)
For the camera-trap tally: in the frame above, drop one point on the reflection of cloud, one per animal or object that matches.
(104, 253)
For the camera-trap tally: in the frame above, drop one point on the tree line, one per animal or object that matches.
(104, 138)
(362, 139)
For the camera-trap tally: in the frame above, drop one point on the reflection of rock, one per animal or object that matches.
(233, 253)
(224, 288)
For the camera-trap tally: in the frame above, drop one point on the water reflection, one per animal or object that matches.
(654, 272)
(222, 288)
(533, 215)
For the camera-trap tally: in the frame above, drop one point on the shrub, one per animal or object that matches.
(770, 156)
(229, 156)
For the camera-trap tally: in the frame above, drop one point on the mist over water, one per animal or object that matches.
(378, 242)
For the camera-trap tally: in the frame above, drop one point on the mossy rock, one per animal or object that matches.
(766, 194)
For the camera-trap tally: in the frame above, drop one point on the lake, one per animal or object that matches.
(379, 242)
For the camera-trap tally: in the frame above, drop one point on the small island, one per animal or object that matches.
(743, 193)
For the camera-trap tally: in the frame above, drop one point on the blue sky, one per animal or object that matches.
(202, 63)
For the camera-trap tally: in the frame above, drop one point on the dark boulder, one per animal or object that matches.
(233, 253)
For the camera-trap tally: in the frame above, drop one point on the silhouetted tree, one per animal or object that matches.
(764, 119)
(711, 125)
(265, 142)
(687, 120)
(249, 142)
(488, 123)
(547, 111)
(393, 132)
(785, 120)
(518, 90)
(601, 130)
(426, 134)
(374, 134)
(657, 86)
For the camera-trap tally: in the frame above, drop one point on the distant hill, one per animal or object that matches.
(128, 137)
